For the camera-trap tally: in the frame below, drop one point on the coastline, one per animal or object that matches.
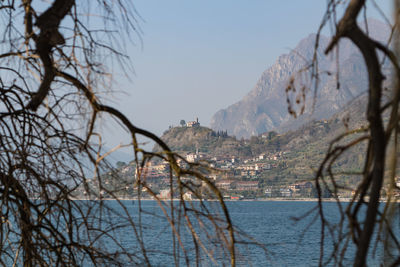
(276, 199)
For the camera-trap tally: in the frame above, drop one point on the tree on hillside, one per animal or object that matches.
(54, 71)
(120, 164)
(271, 135)
(381, 139)
(182, 123)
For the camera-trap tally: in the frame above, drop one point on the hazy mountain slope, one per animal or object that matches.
(265, 108)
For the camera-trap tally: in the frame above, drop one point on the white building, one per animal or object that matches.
(195, 123)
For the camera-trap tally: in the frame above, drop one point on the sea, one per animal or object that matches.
(285, 233)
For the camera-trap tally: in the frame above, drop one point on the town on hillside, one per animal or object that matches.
(238, 177)
(235, 177)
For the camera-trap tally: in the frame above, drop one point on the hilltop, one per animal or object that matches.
(205, 140)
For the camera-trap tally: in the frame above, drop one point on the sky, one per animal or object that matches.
(197, 57)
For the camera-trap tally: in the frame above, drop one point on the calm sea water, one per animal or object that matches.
(288, 242)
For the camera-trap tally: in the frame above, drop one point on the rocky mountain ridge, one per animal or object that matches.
(265, 107)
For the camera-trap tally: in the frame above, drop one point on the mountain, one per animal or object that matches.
(265, 107)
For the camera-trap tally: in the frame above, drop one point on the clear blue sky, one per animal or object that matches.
(197, 57)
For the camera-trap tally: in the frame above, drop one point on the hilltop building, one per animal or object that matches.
(195, 123)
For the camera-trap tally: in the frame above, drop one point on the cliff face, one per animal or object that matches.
(265, 107)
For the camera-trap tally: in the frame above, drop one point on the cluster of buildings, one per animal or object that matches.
(234, 176)
(195, 123)
(303, 189)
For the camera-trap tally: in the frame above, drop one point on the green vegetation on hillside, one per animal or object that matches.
(290, 158)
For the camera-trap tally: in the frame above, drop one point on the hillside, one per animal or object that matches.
(205, 140)
(299, 152)
(251, 167)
